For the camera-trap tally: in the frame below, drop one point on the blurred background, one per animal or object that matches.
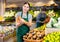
(9, 8)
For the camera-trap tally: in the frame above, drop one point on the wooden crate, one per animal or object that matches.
(27, 40)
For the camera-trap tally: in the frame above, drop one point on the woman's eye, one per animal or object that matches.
(24, 6)
(27, 7)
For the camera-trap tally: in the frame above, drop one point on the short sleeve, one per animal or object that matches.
(29, 17)
(18, 14)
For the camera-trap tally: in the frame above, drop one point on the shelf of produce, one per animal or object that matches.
(47, 31)
(6, 38)
(5, 23)
(1, 39)
(50, 30)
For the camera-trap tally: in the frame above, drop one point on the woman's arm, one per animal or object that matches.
(28, 23)
(18, 21)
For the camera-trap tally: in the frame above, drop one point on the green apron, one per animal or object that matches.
(22, 30)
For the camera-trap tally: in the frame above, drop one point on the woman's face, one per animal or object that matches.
(26, 8)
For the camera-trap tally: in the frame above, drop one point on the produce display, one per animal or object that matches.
(6, 30)
(54, 20)
(31, 12)
(9, 13)
(57, 24)
(36, 13)
(52, 37)
(9, 16)
(34, 35)
(2, 18)
(42, 27)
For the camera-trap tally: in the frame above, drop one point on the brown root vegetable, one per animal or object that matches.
(42, 32)
(35, 34)
(37, 38)
(34, 37)
(38, 33)
(30, 35)
(31, 31)
(40, 36)
(35, 30)
(25, 36)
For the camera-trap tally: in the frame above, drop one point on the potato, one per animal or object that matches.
(35, 34)
(34, 37)
(38, 33)
(25, 36)
(30, 35)
(31, 31)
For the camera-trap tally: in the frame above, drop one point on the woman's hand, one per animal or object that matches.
(23, 21)
(19, 21)
(27, 23)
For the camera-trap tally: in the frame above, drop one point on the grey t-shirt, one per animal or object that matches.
(24, 16)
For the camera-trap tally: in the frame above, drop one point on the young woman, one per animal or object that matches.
(23, 22)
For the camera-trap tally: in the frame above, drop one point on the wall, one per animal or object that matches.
(19, 3)
(2, 7)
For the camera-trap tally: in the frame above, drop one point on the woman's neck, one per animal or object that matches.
(24, 13)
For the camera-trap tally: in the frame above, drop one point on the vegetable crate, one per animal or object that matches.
(26, 40)
(34, 36)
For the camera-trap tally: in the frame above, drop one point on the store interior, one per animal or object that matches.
(9, 8)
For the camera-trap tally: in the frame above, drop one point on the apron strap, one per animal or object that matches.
(21, 14)
(27, 15)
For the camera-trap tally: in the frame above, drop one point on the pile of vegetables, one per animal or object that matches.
(34, 35)
(6, 30)
(2, 18)
(52, 37)
(9, 15)
(42, 27)
(55, 18)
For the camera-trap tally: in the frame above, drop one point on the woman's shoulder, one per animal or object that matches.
(29, 15)
(18, 14)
